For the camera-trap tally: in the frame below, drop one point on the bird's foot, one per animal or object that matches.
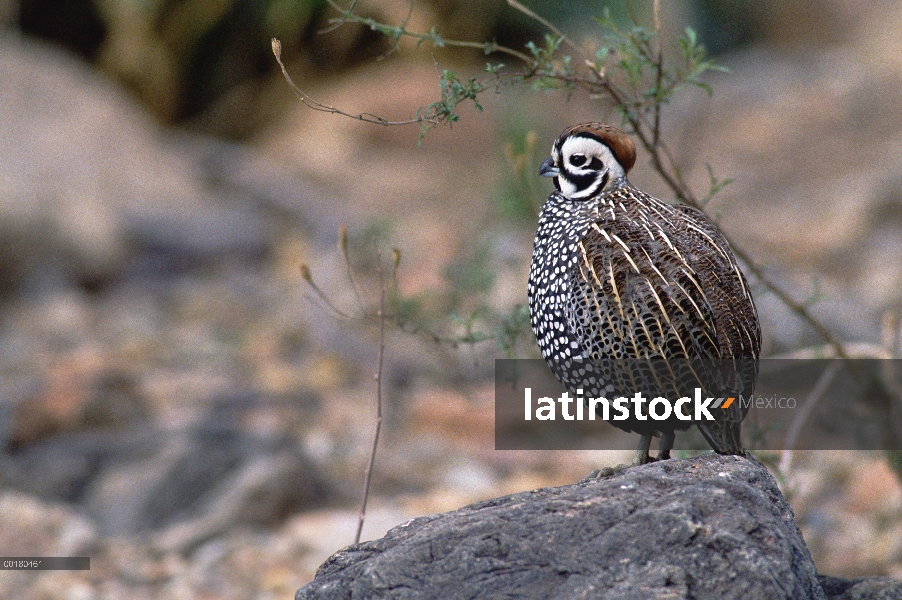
(647, 458)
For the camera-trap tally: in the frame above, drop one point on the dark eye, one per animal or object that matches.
(578, 160)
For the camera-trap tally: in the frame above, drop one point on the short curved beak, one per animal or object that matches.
(548, 169)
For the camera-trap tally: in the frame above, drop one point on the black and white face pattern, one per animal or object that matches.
(582, 167)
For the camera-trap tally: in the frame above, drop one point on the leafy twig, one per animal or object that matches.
(453, 92)
(402, 27)
(432, 37)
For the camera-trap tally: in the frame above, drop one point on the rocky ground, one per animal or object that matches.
(178, 404)
(708, 527)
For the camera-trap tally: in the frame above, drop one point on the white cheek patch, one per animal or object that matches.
(590, 148)
(567, 188)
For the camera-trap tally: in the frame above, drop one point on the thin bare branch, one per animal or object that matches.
(343, 246)
(308, 277)
(381, 353)
(799, 308)
(395, 262)
(810, 402)
(545, 23)
(311, 103)
(659, 74)
(632, 11)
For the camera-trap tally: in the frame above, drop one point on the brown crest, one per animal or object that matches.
(620, 144)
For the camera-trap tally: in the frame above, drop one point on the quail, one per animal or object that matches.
(620, 279)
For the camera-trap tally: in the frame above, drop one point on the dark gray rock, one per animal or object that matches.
(708, 527)
(92, 190)
(863, 588)
(183, 486)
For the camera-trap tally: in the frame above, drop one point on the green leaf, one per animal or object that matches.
(691, 37)
(703, 86)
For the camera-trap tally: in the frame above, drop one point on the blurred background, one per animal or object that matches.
(178, 403)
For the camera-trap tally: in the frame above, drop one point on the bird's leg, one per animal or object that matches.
(642, 456)
(666, 444)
